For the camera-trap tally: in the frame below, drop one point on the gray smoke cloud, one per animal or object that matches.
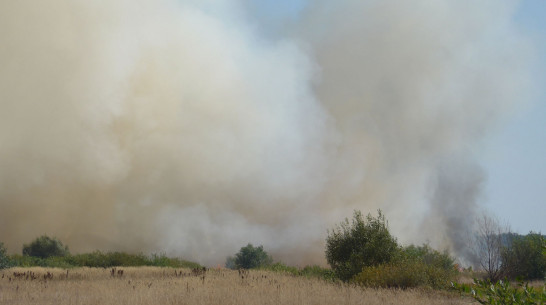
(175, 126)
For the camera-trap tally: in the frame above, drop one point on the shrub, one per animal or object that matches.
(307, 271)
(320, 272)
(428, 256)
(102, 260)
(413, 266)
(161, 260)
(44, 247)
(110, 259)
(404, 274)
(524, 257)
(362, 243)
(19, 260)
(4, 258)
(93, 259)
(252, 257)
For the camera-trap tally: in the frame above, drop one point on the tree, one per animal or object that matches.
(487, 244)
(361, 243)
(44, 247)
(250, 257)
(524, 257)
(4, 259)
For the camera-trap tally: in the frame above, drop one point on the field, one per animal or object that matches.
(154, 285)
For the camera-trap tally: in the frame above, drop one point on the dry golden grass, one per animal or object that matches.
(152, 285)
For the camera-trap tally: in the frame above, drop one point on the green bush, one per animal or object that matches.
(413, 266)
(99, 259)
(161, 260)
(320, 272)
(307, 271)
(524, 257)
(362, 243)
(250, 257)
(44, 247)
(93, 259)
(122, 259)
(4, 258)
(428, 256)
(404, 274)
(18, 260)
(502, 293)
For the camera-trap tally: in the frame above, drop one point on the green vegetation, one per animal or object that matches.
(502, 293)
(524, 256)
(307, 271)
(362, 252)
(44, 247)
(4, 259)
(426, 255)
(414, 266)
(249, 257)
(362, 243)
(104, 260)
(365, 253)
(50, 252)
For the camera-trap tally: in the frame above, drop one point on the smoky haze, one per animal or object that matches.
(176, 126)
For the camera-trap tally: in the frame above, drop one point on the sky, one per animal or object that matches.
(513, 154)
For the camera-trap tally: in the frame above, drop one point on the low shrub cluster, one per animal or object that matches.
(307, 271)
(365, 253)
(404, 274)
(100, 259)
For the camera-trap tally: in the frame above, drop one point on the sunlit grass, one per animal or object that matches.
(154, 285)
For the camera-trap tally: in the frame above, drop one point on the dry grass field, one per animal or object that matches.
(153, 285)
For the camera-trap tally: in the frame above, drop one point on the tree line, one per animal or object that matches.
(361, 250)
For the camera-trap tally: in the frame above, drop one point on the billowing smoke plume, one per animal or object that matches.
(175, 126)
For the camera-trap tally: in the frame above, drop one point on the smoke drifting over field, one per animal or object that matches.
(176, 126)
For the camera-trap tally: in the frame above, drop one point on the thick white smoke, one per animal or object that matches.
(175, 126)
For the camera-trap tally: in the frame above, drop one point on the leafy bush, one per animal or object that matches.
(502, 293)
(362, 243)
(413, 266)
(429, 256)
(524, 257)
(4, 258)
(44, 247)
(250, 257)
(404, 274)
(307, 271)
